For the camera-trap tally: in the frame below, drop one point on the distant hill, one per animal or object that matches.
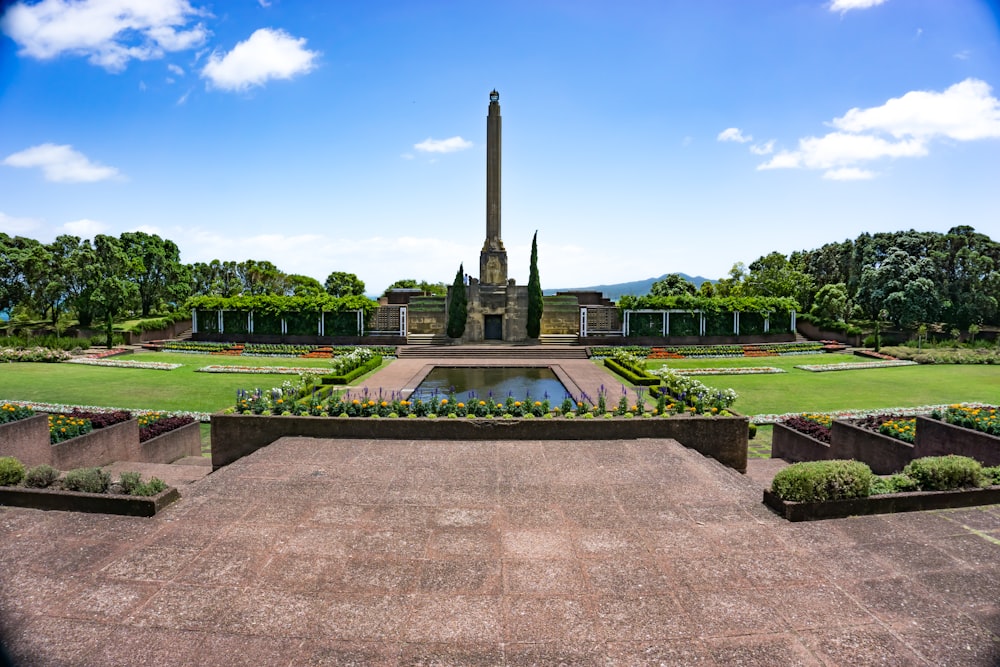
(636, 288)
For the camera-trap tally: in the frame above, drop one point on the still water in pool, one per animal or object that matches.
(521, 383)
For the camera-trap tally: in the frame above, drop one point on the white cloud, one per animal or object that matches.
(11, 225)
(264, 3)
(966, 111)
(734, 134)
(267, 54)
(61, 164)
(902, 127)
(849, 174)
(964, 54)
(175, 69)
(763, 149)
(847, 5)
(449, 145)
(108, 32)
(84, 228)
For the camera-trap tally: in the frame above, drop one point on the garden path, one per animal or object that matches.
(384, 552)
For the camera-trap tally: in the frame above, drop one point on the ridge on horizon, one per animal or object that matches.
(615, 291)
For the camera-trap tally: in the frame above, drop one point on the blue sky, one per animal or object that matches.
(639, 138)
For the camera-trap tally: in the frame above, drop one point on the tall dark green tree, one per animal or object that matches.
(672, 285)
(157, 270)
(535, 305)
(458, 305)
(112, 278)
(341, 283)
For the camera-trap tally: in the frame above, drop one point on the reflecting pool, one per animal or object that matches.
(520, 382)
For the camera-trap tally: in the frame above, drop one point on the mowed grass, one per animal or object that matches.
(803, 391)
(179, 389)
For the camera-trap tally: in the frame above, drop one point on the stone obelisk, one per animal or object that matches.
(493, 258)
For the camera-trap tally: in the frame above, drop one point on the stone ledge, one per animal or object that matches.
(75, 501)
(914, 501)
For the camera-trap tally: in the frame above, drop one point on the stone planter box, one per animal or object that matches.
(722, 438)
(100, 447)
(789, 444)
(27, 440)
(938, 438)
(913, 501)
(883, 454)
(74, 501)
(172, 445)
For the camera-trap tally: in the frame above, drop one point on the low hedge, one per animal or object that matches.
(942, 473)
(349, 376)
(815, 481)
(640, 380)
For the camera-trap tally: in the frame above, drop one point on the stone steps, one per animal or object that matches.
(491, 352)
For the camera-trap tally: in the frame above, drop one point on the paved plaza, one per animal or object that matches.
(358, 552)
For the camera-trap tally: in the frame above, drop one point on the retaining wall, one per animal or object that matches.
(938, 438)
(722, 438)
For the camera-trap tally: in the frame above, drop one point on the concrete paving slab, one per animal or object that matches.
(397, 553)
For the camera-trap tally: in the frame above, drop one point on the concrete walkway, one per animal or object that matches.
(355, 552)
(579, 375)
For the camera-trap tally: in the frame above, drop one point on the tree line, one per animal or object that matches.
(905, 278)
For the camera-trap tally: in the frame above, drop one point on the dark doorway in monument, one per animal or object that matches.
(493, 327)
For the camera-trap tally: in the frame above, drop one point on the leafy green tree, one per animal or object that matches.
(158, 273)
(734, 284)
(299, 285)
(671, 285)
(439, 289)
(22, 268)
(903, 286)
(773, 275)
(65, 278)
(112, 279)
(535, 303)
(458, 306)
(340, 283)
(215, 278)
(832, 303)
(260, 277)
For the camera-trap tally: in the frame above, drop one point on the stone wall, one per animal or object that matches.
(560, 315)
(722, 438)
(427, 315)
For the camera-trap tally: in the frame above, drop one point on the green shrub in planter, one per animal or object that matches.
(753, 431)
(816, 481)
(132, 485)
(893, 484)
(941, 473)
(88, 480)
(11, 471)
(40, 476)
(992, 475)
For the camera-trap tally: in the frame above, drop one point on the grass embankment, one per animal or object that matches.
(179, 389)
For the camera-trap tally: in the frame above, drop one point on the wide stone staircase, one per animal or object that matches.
(491, 351)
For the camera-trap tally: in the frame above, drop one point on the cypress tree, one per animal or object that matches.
(534, 292)
(457, 305)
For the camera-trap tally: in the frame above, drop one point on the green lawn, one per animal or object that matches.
(800, 391)
(179, 389)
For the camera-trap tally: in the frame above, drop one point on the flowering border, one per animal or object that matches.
(753, 370)
(112, 363)
(65, 407)
(262, 370)
(858, 414)
(823, 368)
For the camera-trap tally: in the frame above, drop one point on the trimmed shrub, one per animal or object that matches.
(132, 485)
(893, 484)
(941, 473)
(992, 475)
(87, 480)
(753, 431)
(40, 476)
(11, 471)
(816, 481)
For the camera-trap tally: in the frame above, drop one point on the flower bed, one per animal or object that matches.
(112, 363)
(823, 368)
(60, 407)
(754, 370)
(884, 454)
(792, 445)
(722, 438)
(854, 414)
(34, 354)
(262, 370)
